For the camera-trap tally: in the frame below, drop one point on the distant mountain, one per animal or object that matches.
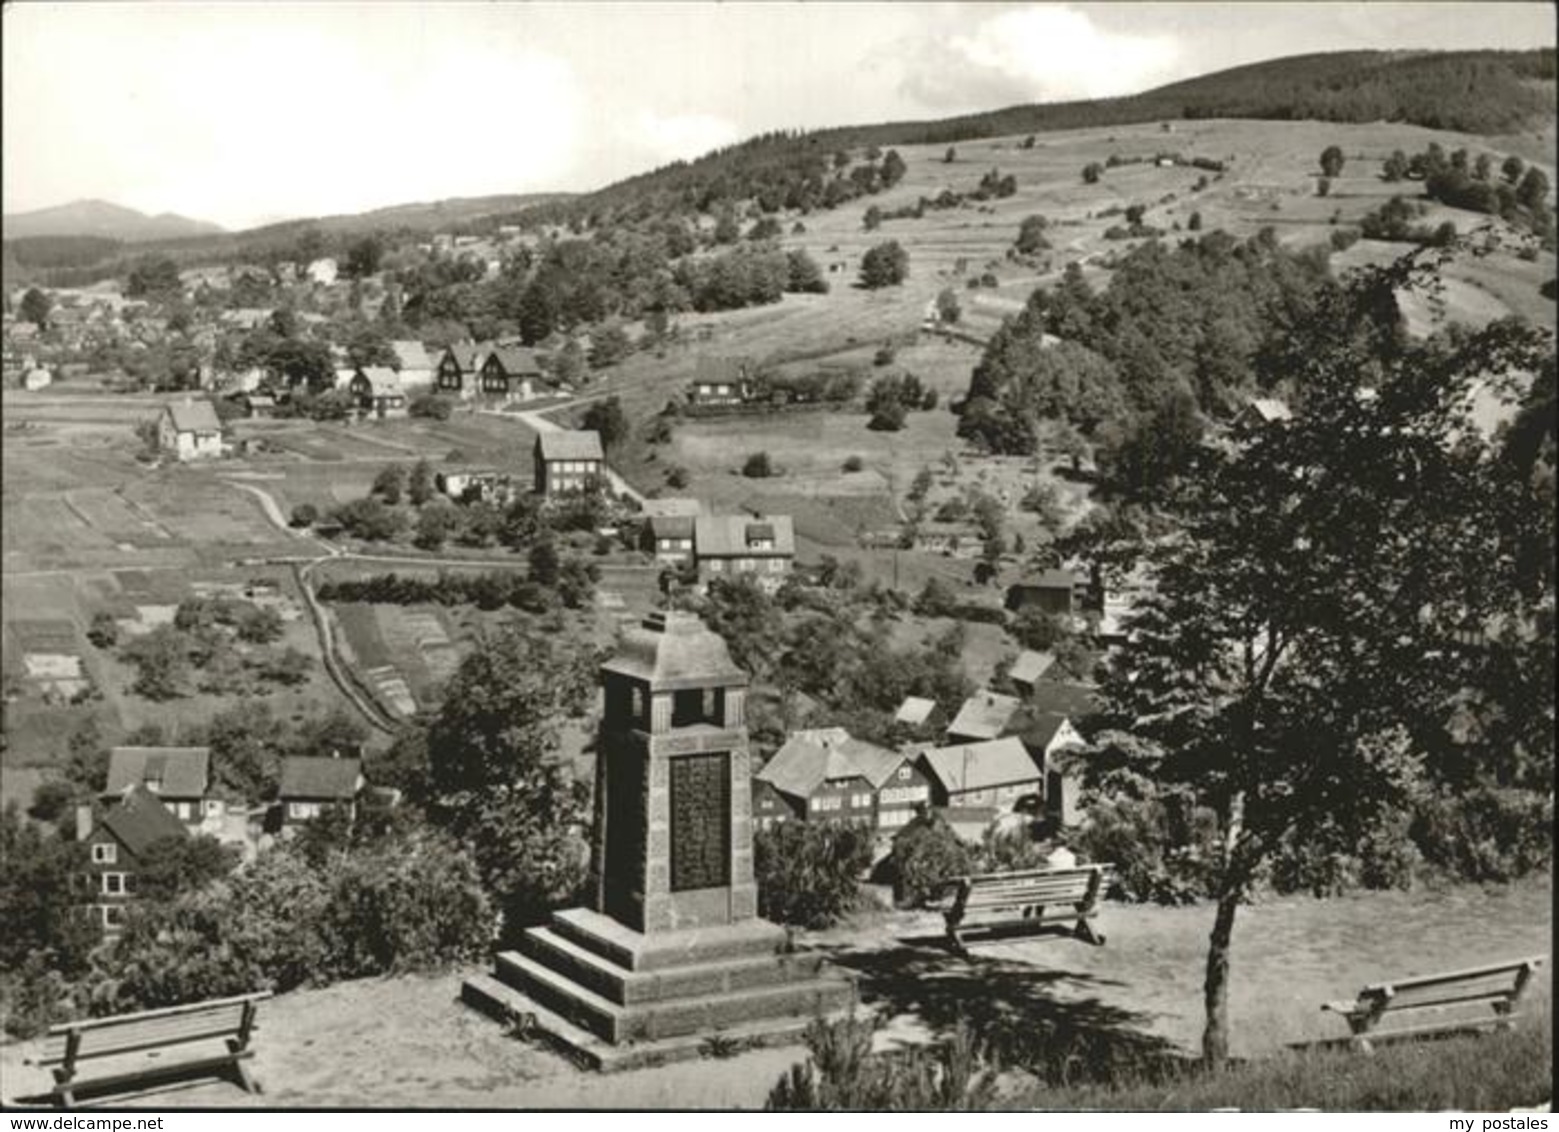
(425, 216)
(102, 219)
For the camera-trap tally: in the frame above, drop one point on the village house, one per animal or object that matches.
(950, 538)
(323, 271)
(568, 461)
(458, 368)
(1048, 727)
(467, 485)
(668, 529)
(117, 845)
(377, 391)
(826, 774)
(1029, 668)
(721, 381)
(984, 715)
(312, 786)
(1058, 592)
(990, 776)
(915, 711)
(180, 777)
(246, 318)
(190, 430)
(1260, 412)
(729, 545)
(511, 372)
(413, 364)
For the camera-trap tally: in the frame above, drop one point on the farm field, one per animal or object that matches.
(330, 1047)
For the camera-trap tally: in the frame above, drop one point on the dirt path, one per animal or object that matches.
(408, 1042)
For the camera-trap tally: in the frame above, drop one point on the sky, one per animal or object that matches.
(244, 112)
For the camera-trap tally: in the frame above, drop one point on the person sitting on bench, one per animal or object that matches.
(1060, 857)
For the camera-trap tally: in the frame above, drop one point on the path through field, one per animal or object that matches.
(407, 1042)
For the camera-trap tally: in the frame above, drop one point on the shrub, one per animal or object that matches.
(807, 872)
(758, 466)
(1161, 855)
(677, 476)
(104, 632)
(842, 1073)
(304, 515)
(1486, 833)
(432, 406)
(926, 855)
(854, 464)
(50, 800)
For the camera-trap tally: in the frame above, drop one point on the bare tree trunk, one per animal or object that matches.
(1215, 1035)
(1215, 986)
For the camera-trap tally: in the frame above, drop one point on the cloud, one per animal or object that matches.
(1038, 53)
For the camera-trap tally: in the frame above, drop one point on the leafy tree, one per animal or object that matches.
(389, 484)
(803, 275)
(1395, 167)
(153, 277)
(52, 800)
(871, 220)
(1031, 235)
(888, 416)
(926, 855)
(1332, 161)
(40, 898)
(608, 346)
(568, 366)
(435, 524)
(948, 309)
(1532, 191)
(494, 780)
(608, 418)
(884, 265)
(104, 631)
(806, 871)
(161, 660)
(35, 308)
(363, 257)
(172, 866)
(260, 626)
(1092, 172)
(1296, 666)
(1512, 169)
(758, 466)
(304, 515)
(419, 482)
(370, 519)
(893, 168)
(950, 156)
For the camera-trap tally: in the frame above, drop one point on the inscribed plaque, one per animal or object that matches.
(700, 821)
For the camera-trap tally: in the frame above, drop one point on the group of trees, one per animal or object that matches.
(893, 396)
(212, 646)
(884, 265)
(1519, 194)
(551, 580)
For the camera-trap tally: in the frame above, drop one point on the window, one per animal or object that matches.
(905, 773)
(113, 884)
(113, 915)
(776, 565)
(861, 801)
(185, 810)
(826, 803)
(154, 784)
(105, 854)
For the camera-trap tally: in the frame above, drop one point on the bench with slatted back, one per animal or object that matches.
(1446, 1000)
(992, 905)
(135, 1043)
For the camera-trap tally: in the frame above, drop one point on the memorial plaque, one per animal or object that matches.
(700, 821)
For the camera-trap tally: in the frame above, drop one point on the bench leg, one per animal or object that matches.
(241, 1069)
(1084, 931)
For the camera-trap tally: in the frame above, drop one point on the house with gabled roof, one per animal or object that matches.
(377, 391)
(179, 776)
(1028, 668)
(1059, 592)
(459, 366)
(311, 786)
(117, 846)
(763, 546)
(990, 775)
(412, 363)
(1259, 412)
(190, 430)
(826, 774)
(568, 460)
(915, 711)
(511, 372)
(984, 715)
(721, 381)
(1050, 726)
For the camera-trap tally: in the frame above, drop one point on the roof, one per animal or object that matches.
(1031, 665)
(674, 650)
(140, 820)
(810, 758)
(671, 526)
(1270, 409)
(184, 772)
(319, 777)
(411, 354)
(516, 361)
(194, 416)
(721, 370)
(1052, 579)
(915, 710)
(382, 380)
(728, 535)
(469, 355)
(979, 766)
(674, 507)
(984, 715)
(578, 444)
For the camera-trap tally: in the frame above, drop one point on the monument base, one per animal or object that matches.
(667, 989)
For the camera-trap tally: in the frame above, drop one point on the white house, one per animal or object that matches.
(413, 364)
(323, 271)
(190, 430)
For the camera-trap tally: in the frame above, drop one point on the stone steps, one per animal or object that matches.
(651, 1021)
(619, 984)
(635, 951)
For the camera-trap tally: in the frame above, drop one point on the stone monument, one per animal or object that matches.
(671, 947)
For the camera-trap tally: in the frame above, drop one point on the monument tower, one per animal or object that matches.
(670, 948)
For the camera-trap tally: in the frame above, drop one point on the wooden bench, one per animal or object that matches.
(1024, 903)
(1498, 985)
(226, 1024)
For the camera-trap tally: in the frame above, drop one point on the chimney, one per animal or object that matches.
(83, 821)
